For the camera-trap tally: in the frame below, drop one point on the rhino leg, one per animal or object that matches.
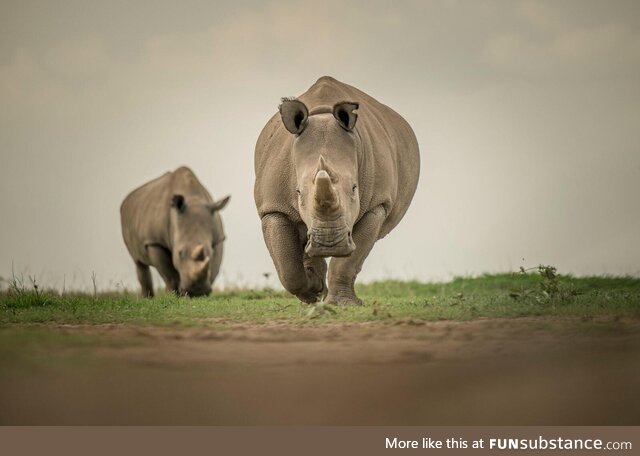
(216, 261)
(343, 270)
(316, 268)
(303, 277)
(144, 277)
(160, 259)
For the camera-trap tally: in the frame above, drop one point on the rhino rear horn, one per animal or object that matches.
(294, 115)
(345, 115)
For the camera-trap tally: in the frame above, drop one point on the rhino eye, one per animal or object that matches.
(353, 189)
(298, 191)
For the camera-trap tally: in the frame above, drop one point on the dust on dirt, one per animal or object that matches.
(504, 371)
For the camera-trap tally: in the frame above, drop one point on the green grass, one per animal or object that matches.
(489, 296)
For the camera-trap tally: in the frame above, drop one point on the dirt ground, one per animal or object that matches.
(502, 372)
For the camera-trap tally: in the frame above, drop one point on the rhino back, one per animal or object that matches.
(388, 165)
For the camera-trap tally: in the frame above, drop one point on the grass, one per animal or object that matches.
(542, 293)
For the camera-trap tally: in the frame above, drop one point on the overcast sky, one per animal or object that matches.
(527, 115)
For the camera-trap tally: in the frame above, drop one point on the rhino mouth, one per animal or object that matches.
(329, 241)
(196, 291)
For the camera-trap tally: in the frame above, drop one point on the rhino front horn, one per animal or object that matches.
(325, 195)
(200, 269)
(198, 253)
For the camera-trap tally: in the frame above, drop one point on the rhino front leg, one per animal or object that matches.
(216, 261)
(160, 258)
(317, 268)
(144, 277)
(343, 270)
(303, 277)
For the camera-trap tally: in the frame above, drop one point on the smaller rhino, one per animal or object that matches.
(173, 224)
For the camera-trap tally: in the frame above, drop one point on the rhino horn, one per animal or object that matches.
(326, 197)
(198, 253)
(323, 165)
(200, 269)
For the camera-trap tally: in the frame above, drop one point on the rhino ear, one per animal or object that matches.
(220, 204)
(294, 115)
(345, 115)
(177, 201)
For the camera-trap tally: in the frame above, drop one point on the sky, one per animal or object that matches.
(527, 114)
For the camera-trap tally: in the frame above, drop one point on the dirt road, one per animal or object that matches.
(523, 371)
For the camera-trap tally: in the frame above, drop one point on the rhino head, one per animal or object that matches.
(193, 232)
(325, 155)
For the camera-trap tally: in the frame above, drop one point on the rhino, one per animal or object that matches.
(335, 170)
(173, 224)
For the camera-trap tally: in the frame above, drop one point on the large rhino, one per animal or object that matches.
(173, 224)
(335, 171)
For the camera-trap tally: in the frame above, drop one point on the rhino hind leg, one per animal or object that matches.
(144, 277)
(303, 277)
(160, 258)
(344, 270)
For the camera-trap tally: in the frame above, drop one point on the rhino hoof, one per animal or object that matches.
(343, 300)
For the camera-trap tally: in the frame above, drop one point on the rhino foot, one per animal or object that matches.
(316, 270)
(343, 300)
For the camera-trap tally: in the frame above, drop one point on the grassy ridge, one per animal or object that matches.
(505, 295)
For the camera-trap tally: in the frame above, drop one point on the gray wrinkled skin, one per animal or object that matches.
(335, 171)
(173, 224)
